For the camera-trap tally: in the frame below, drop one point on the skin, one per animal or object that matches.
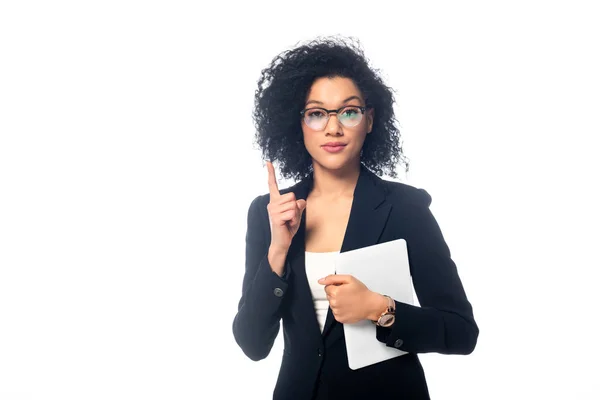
(335, 178)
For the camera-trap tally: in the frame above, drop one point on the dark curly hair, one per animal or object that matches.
(281, 94)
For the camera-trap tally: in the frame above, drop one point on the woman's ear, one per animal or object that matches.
(370, 116)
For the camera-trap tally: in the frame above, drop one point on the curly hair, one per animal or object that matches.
(281, 94)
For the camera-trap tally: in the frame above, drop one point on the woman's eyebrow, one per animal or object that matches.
(345, 101)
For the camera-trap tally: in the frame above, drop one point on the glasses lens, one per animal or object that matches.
(316, 119)
(350, 116)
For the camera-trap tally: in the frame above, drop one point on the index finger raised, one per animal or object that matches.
(273, 188)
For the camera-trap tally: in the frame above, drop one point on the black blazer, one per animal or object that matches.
(315, 365)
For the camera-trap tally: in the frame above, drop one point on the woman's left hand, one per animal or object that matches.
(350, 300)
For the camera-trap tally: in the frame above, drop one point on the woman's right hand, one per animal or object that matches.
(285, 214)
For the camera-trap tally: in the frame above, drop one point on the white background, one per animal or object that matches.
(127, 167)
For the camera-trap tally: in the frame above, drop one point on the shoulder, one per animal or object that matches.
(404, 194)
(258, 204)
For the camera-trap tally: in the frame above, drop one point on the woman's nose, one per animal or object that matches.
(333, 127)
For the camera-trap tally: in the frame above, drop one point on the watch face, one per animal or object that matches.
(387, 320)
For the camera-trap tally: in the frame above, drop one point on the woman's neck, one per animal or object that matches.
(335, 183)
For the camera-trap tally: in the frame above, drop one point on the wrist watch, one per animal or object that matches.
(388, 317)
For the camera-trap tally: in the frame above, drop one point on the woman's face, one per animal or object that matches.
(333, 94)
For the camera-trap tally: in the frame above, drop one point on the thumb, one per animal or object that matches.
(334, 280)
(301, 204)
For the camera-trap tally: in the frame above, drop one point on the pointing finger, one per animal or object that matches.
(273, 189)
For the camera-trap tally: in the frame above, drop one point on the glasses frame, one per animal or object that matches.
(337, 112)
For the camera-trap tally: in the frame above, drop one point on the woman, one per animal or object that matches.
(326, 117)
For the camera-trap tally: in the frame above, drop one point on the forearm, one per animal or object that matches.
(257, 322)
(426, 330)
(277, 259)
(423, 330)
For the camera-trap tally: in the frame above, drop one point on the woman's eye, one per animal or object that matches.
(350, 112)
(316, 114)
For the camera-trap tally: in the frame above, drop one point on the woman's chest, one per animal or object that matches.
(326, 224)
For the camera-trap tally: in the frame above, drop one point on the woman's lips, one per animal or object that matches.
(333, 149)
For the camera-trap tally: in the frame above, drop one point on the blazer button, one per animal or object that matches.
(320, 352)
(398, 343)
(278, 292)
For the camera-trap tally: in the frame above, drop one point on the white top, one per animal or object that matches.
(319, 265)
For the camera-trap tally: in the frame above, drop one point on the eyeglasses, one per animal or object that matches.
(317, 118)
